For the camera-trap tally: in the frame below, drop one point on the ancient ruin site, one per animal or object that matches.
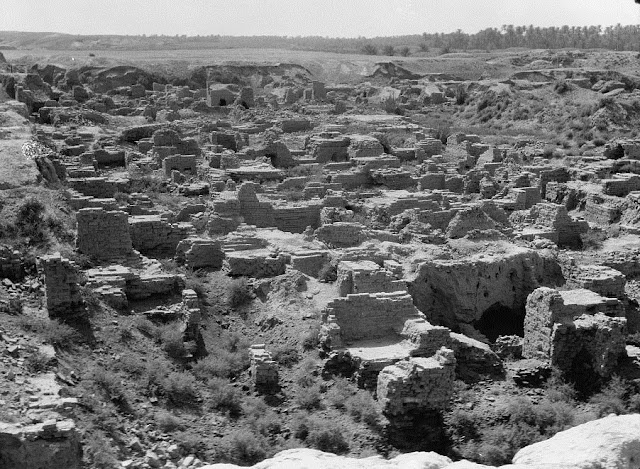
(310, 259)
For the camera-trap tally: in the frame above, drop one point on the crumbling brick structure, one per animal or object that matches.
(366, 277)
(371, 315)
(264, 371)
(51, 444)
(152, 234)
(197, 253)
(182, 163)
(578, 331)
(103, 234)
(62, 288)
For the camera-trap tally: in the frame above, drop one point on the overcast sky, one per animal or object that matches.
(338, 18)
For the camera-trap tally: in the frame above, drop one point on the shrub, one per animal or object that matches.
(52, 331)
(172, 342)
(311, 340)
(30, 220)
(243, 447)
(326, 435)
(261, 418)
(328, 272)
(362, 407)
(306, 375)
(405, 51)
(286, 355)
(36, 362)
(561, 87)
(308, 397)
(102, 454)
(145, 326)
(180, 388)
(612, 398)
(227, 361)
(225, 397)
(494, 437)
(340, 392)
(110, 383)
(388, 50)
(239, 293)
(168, 422)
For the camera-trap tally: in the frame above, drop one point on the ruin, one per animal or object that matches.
(384, 264)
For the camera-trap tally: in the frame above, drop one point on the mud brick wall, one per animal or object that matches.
(10, 263)
(350, 179)
(99, 187)
(546, 308)
(603, 280)
(51, 444)
(526, 197)
(264, 371)
(150, 233)
(438, 219)
(200, 252)
(372, 315)
(146, 286)
(309, 262)
(364, 146)
(621, 185)
(341, 234)
(103, 234)
(254, 264)
(295, 125)
(603, 209)
(560, 175)
(432, 181)
(61, 285)
(324, 150)
(394, 178)
(297, 219)
(182, 163)
(417, 384)
(556, 217)
(454, 184)
(428, 147)
(599, 338)
(365, 277)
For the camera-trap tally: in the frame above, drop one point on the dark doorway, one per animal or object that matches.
(499, 320)
(223, 102)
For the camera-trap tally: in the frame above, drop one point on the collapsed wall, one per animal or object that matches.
(453, 292)
(61, 286)
(412, 394)
(51, 444)
(578, 331)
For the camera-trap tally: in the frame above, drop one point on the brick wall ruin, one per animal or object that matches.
(103, 234)
(62, 286)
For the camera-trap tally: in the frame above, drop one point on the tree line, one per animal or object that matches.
(616, 37)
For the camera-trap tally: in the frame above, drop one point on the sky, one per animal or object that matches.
(334, 18)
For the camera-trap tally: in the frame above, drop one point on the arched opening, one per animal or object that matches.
(245, 105)
(500, 320)
(223, 102)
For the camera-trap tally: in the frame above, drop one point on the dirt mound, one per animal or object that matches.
(258, 74)
(393, 70)
(103, 79)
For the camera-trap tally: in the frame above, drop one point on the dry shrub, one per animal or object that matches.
(239, 293)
